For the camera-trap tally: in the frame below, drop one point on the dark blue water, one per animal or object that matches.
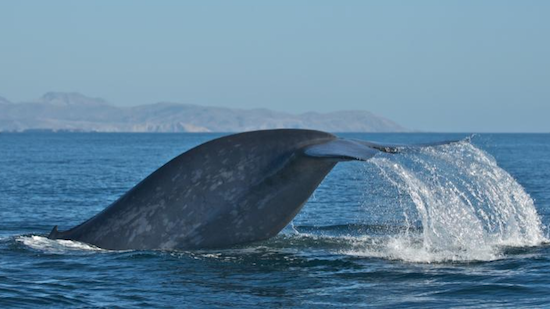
(444, 227)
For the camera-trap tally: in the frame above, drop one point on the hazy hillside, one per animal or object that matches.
(75, 112)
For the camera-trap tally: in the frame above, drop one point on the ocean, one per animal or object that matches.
(461, 225)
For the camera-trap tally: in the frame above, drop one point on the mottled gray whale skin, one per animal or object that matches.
(232, 190)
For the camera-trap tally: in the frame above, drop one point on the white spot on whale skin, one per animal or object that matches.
(175, 177)
(170, 244)
(197, 240)
(216, 185)
(170, 226)
(196, 175)
(227, 174)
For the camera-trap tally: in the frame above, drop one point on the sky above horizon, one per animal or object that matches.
(449, 66)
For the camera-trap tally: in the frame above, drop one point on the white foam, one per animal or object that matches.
(411, 250)
(59, 246)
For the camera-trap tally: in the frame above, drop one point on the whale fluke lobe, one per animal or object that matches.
(232, 190)
(342, 149)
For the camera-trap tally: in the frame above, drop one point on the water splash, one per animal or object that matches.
(458, 205)
(56, 246)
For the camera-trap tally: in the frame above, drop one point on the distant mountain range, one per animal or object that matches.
(58, 111)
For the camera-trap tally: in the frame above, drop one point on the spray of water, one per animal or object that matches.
(464, 207)
(57, 246)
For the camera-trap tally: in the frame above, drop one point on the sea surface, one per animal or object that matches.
(462, 225)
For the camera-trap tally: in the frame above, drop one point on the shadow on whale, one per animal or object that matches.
(232, 190)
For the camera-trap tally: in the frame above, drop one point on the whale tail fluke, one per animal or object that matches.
(351, 149)
(228, 191)
(342, 150)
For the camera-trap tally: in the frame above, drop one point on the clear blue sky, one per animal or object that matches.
(429, 65)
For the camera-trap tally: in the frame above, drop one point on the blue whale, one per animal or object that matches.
(232, 190)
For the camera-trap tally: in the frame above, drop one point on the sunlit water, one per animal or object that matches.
(458, 205)
(457, 225)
